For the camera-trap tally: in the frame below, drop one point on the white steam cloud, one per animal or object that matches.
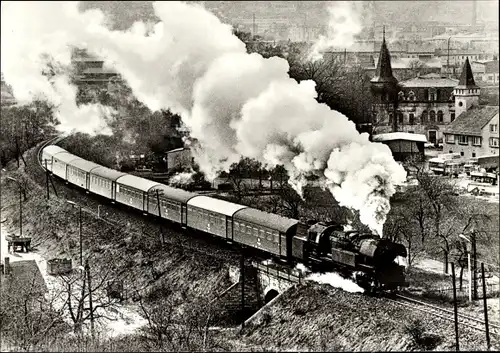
(234, 104)
(345, 22)
(181, 179)
(36, 39)
(331, 278)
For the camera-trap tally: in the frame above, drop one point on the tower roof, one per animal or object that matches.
(383, 73)
(466, 78)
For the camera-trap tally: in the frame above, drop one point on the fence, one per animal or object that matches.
(492, 291)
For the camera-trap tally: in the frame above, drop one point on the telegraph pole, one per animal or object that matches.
(455, 306)
(474, 251)
(47, 179)
(485, 309)
(87, 270)
(242, 276)
(80, 232)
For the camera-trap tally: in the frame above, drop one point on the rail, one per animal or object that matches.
(445, 314)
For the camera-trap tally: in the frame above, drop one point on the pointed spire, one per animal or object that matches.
(384, 68)
(466, 77)
(383, 34)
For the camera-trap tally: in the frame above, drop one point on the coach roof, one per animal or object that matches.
(136, 182)
(269, 220)
(84, 165)
(107, 173)
(53, 149)
(215, 205)
(174, 193)
(66, 157)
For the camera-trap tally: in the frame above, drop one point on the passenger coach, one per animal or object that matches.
(212, 215)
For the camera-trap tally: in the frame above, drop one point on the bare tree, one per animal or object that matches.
(85, 302)
(27, 315)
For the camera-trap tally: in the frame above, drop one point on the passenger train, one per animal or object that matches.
(366, 258)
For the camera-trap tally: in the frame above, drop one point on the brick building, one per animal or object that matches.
(424, 105)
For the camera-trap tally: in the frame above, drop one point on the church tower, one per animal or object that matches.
(466, 93)
(384, 88)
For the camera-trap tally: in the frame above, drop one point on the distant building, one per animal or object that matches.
(490, 75)
(91, 70)
(403, 145)
(424, 105)
(179, 158)
(474, 133)
(23, 278)
(7, 98)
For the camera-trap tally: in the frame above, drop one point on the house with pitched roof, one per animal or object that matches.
(22, 278)
(474, 133)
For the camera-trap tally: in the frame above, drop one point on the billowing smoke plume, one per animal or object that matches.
(344, 24)
(237, 104)
(36, 40)
(180, 180)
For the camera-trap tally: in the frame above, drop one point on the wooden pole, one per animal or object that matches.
(80, 233)
(47, 179)
(20, 210)
(474, 252)
(455, 306)
(159, 215)
(486, 326)
(87, 269)
(242, 275)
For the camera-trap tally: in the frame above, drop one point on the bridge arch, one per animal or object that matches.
(270, 295)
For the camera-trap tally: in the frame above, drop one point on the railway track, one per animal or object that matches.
(445, 314)
(51, 141)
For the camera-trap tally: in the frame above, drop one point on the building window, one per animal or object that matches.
(476, 141)
(400, 118)
(493, 128)
(424, 117)
(452, 116)
(401, 96)
(432, 94)
(460, 104)
(473, 155)
(450, 138)
(462, 140)
(411, 96)
(462, 154)
(390, 118)
(440, 116)
(412, 119)
(494, 142)
(432, 116)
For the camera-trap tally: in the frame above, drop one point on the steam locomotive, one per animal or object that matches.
(366, 258)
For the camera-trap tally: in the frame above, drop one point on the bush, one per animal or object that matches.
(416, 331)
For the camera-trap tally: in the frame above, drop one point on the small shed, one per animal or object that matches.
(403, 145)
(179, 158)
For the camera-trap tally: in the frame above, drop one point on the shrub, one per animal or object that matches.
(416, 331)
